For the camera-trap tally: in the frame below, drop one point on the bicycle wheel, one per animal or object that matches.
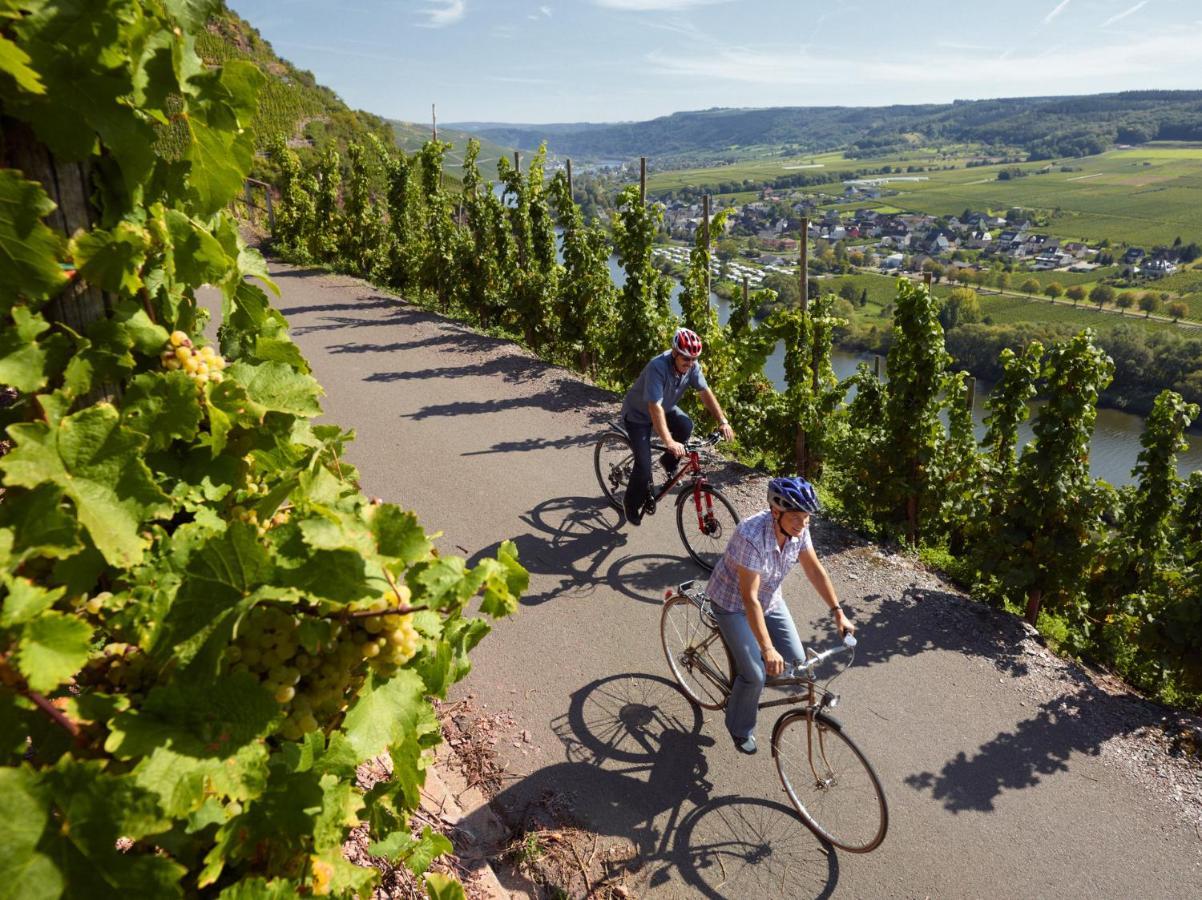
(696, 653)
(613, 461)
(705, 531)
(830, 783)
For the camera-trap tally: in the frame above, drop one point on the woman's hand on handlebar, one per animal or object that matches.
(774, 663)
(843, 623)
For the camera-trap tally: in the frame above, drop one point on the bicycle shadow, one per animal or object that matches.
(646, 576)
(636, 770)
(570, 539)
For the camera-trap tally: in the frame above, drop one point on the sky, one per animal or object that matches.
(539, 61)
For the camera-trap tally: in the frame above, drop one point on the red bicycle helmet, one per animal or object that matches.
(686, 343)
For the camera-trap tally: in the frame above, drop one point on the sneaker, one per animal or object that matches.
(669, 463)
(649, 507)
(633, 519)
(745, 745)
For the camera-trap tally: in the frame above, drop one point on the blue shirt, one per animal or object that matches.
(753, 546)
(659, 382)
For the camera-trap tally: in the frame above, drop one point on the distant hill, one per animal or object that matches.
(410, 136)
(1043, 127)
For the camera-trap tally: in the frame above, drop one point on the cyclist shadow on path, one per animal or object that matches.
(579, 541)
(636, 769)
(1070, 716)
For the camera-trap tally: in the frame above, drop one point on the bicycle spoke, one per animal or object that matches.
(705, 520)
(695, 653)
(831, 784)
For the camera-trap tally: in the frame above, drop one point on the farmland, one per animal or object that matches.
(1141, 196)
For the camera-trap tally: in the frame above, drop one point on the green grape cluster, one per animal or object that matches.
(313, 686)
(121, 668)
(201, 365)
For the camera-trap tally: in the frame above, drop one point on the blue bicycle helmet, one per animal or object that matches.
(792, 495)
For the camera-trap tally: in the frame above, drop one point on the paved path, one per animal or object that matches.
(1000, 771)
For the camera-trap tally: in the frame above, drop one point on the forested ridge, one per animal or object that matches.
(1042, 126)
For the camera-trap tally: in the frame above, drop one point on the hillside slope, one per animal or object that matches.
(1041, 126)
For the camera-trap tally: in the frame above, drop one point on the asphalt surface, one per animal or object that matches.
(998, 780)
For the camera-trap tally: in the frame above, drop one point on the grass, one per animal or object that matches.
(1007, 310)
(1141, 196)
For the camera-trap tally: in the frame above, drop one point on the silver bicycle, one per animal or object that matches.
(829, 780)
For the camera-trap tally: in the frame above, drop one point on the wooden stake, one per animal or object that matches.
(705, 218)
(876, 367)
(746, 292)
(570, 177)
(970, 393)
(805, 264)
(926, 279)
(643, 179)
(434, 121)
(517, 160)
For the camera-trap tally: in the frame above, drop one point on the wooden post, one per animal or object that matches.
(746, 292)
(926, 279)
(434, 121)
(805, 263)
(270, 207)
(643, 179)
(248, 197)
(705, 219)
(876, 366)
(517, 160)
(570, 177)
(69, 185)
(970, 392)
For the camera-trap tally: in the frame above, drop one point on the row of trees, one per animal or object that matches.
(1028, 528)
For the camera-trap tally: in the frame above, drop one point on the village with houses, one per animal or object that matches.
(849, 232)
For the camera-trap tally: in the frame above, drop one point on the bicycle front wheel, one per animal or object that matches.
(696, 653)
(705, 520)
(830, 783)
(613, 461)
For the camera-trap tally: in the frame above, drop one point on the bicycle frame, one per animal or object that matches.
(692, 467)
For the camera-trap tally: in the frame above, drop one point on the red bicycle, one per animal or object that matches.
(705, 524)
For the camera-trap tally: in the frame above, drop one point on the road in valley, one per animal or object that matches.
(1007, 772)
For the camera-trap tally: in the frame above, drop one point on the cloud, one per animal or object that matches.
(1057, 11)
(441, 13)
(655, 5)
(958, 74)
(544, 12)
(1126, 12)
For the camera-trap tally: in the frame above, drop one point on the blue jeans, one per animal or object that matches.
(680, 426)
(742, 706)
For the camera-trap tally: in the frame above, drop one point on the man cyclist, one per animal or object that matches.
(744, 591)
(651, 403)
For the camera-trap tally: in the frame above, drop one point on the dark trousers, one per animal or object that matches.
(680, 427)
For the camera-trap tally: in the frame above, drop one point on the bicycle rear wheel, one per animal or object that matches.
(613, 461)
(830, 783)
(705, 520)
(696, 653)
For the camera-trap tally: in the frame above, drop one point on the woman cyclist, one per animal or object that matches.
(746, 597)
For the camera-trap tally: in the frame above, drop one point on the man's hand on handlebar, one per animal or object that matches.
(726, 431)
(675, 448)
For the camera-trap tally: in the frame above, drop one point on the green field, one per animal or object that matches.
(1142, 196)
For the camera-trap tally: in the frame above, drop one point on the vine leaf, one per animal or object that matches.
(276, 387)
(112, 260)
(23, 818)
(29, 251)
(416, 852)
(22, 361)
(53, 647)
(162, 406)
(15, 62)
(98, 464)
(385, 713)
(25, 600)
(443, 887)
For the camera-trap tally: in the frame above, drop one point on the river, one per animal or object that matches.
(1113, 450)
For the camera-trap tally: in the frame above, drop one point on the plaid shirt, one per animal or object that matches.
(753, 546)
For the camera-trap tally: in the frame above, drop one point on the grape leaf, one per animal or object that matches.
(112, 260)
(385, 713)
(53, 647)
(99, 465)
(183, 781)
(28, 874)
(443, 887)
(29, 251)
(416, 852)
(199, 257)
(40, 525)
(25, 600)
(22, 361)
(260, 889)
(274, 387)
(15, 62)
(398, 534)
(163, 406)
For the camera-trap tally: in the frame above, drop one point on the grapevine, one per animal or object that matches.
(205, 626)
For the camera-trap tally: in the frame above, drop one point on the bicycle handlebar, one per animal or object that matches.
(714, 437)
(813, 659)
